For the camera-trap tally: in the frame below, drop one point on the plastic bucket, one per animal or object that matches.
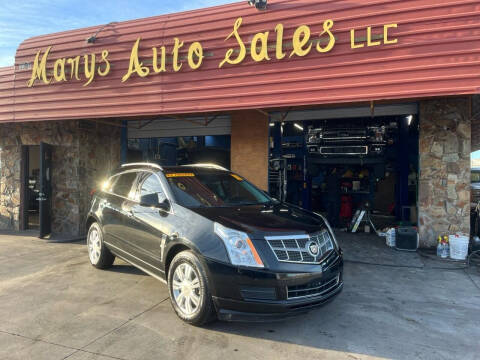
(458, 247)
(390, 238)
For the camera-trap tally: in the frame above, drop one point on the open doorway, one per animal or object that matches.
(180, 140)
(36, 189)
(31, 185)
(337, 165)
(181, 150)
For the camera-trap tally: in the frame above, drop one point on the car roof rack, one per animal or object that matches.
(142, 164)
(208, 166)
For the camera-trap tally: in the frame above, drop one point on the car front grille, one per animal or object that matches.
(298, 248)
(344, 150)
(314, 288)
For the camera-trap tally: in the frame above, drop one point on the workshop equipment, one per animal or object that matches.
(406, 238)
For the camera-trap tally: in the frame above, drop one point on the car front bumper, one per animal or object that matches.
(269, 311)
(261, 295)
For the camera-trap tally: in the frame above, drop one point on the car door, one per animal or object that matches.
(45, 195)
(148, 227)
(114, 206)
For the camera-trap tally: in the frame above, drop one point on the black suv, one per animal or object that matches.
(225, 248)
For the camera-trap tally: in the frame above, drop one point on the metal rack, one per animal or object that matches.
(277, 178)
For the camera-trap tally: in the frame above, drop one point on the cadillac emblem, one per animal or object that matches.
(313, 248)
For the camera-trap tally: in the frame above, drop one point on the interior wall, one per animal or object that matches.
(249, 149)
(444, 179)
(34, 159)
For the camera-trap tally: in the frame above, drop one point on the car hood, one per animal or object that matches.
(260, 220)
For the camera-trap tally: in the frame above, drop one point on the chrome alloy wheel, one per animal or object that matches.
(94, 245)
(186, 289)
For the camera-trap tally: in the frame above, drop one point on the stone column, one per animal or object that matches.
(444, 179)
(99, 154)
(10, 156)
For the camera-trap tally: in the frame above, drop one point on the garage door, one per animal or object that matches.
(347, 112)
(191, 126)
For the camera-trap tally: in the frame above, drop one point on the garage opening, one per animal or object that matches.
(357, 166)
(181, 141)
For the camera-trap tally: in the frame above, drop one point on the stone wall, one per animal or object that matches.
(249, 149)
(82, 153)
(444, 180)
(99, 155)
(9, 185)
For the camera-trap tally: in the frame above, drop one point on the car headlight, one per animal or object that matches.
(330, 231)
(239, 247)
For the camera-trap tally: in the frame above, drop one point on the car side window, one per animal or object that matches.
(123, 184)
(150, 184)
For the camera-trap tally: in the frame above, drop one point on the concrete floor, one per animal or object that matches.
(54, 305)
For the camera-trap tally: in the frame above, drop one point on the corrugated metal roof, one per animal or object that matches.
(438, 54)
(7, 75)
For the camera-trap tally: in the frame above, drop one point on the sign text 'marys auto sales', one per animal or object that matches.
(303, 42)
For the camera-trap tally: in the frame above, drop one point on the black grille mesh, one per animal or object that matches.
(315, 288)
(295, 248)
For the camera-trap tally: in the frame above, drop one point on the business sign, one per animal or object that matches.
(87, 67)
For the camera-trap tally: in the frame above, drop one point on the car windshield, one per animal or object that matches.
(214, 189)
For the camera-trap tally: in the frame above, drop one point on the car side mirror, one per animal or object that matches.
(151, 200)
(165, 205)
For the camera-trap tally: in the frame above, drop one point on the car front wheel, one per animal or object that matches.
(99, 255)
(189, 292)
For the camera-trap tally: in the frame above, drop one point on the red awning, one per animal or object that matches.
(437, 54)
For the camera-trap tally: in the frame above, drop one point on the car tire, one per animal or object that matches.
(194, 286)
(99, 255)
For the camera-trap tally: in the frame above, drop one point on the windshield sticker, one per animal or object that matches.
(176, 175)
(236, 177)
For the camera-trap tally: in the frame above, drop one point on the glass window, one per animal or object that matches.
(214, 189)
(123, 184)
(150, 184)
(475, 176)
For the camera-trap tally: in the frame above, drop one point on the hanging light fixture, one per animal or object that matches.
(299, 127)
(409, 119)
(259, 4)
